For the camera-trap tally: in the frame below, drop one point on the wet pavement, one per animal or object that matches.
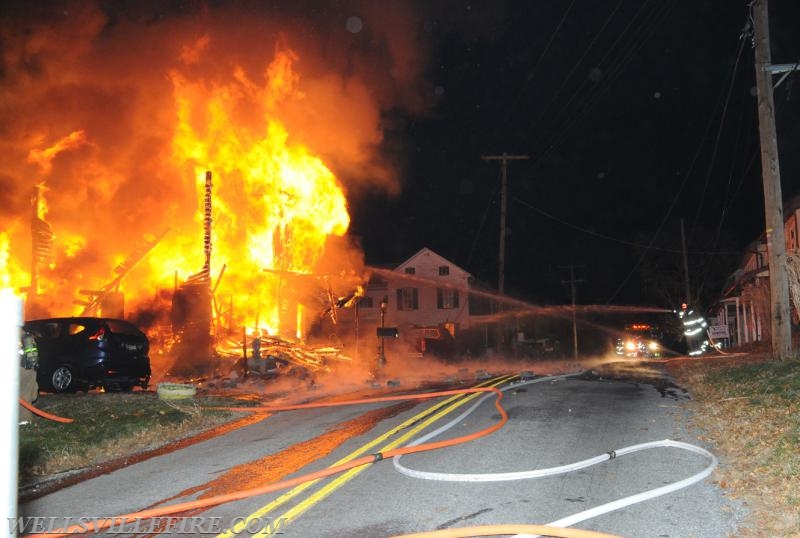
(551, 423)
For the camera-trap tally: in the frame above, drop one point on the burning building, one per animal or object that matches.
(117, 139)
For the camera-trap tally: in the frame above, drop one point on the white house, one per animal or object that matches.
(426, 298)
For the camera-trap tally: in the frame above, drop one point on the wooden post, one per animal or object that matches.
(773, 199)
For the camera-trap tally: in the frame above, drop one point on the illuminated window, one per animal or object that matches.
(446, 298)
(444, 270)
(410, 270)
(407, 299)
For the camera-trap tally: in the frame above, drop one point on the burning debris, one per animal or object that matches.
(109, 300)
(280, 354)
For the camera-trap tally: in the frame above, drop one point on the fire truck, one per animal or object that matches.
(640, 340)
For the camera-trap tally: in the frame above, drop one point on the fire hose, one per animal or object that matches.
(420, 445)
(552, 471)
(44, 414)
(242, 494)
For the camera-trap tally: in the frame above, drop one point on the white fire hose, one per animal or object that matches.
(561, 469)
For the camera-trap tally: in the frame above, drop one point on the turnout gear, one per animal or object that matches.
(695, 329)
(28, 363)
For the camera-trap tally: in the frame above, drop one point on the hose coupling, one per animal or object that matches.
(377, 457)
(612, 454)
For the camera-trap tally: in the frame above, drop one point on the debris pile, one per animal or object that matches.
(284, 353)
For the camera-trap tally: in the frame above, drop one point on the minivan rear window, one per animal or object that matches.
(118, 326)
(76, 328)
(46, 330)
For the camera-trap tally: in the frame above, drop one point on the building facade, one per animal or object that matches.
(743, 310)
(426, 298)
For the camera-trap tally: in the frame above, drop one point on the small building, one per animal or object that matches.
(428, 299)
(742, 313)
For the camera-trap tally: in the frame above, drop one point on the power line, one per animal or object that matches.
(483, 221)
(595, 93)
(671, 206)
(735, 70)
(543, 54)
(576, 64)
(611, 238)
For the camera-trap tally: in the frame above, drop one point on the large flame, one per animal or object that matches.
(275, 204)
(113, 112)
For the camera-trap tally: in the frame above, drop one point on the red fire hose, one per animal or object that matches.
(44, 414)
(243, 494)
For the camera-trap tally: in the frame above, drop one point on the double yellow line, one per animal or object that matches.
(450, 404)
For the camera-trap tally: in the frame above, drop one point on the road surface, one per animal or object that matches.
(551, 423)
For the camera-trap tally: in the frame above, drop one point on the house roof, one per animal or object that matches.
(426, 250)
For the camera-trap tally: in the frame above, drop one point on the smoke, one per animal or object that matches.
(89, 110)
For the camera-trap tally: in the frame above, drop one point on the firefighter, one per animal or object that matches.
(694, 330)
(28, 363)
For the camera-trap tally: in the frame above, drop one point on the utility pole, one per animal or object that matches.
(501, 279)
(382, 348)
(688, 297)
(773, 199)
(572, 282)
(504, 158)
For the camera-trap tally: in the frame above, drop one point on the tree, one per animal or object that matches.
(712, 257)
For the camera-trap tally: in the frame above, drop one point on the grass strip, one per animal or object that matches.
(109, 426)
(749, 409)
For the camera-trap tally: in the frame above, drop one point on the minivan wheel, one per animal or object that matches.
(62, 379)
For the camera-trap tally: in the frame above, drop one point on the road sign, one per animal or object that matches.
(388, 332)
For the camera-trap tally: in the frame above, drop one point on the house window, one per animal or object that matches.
(410, 270)
(446, 298)
(444, 270)
(365, 302)
(407, 299)
(378, 284)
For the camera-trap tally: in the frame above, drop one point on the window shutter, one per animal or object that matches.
(439, 298)
(415, 298)
(400, 299)
(455, 298)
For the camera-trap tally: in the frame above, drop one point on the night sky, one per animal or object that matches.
(634, 114)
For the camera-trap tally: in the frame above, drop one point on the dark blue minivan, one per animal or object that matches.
(87, 352)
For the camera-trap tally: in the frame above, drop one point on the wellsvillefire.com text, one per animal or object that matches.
(161, 525)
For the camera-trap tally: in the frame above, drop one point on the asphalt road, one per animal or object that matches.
(551, 423)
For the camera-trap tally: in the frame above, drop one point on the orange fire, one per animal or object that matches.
(274, 202)
(275, 206)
